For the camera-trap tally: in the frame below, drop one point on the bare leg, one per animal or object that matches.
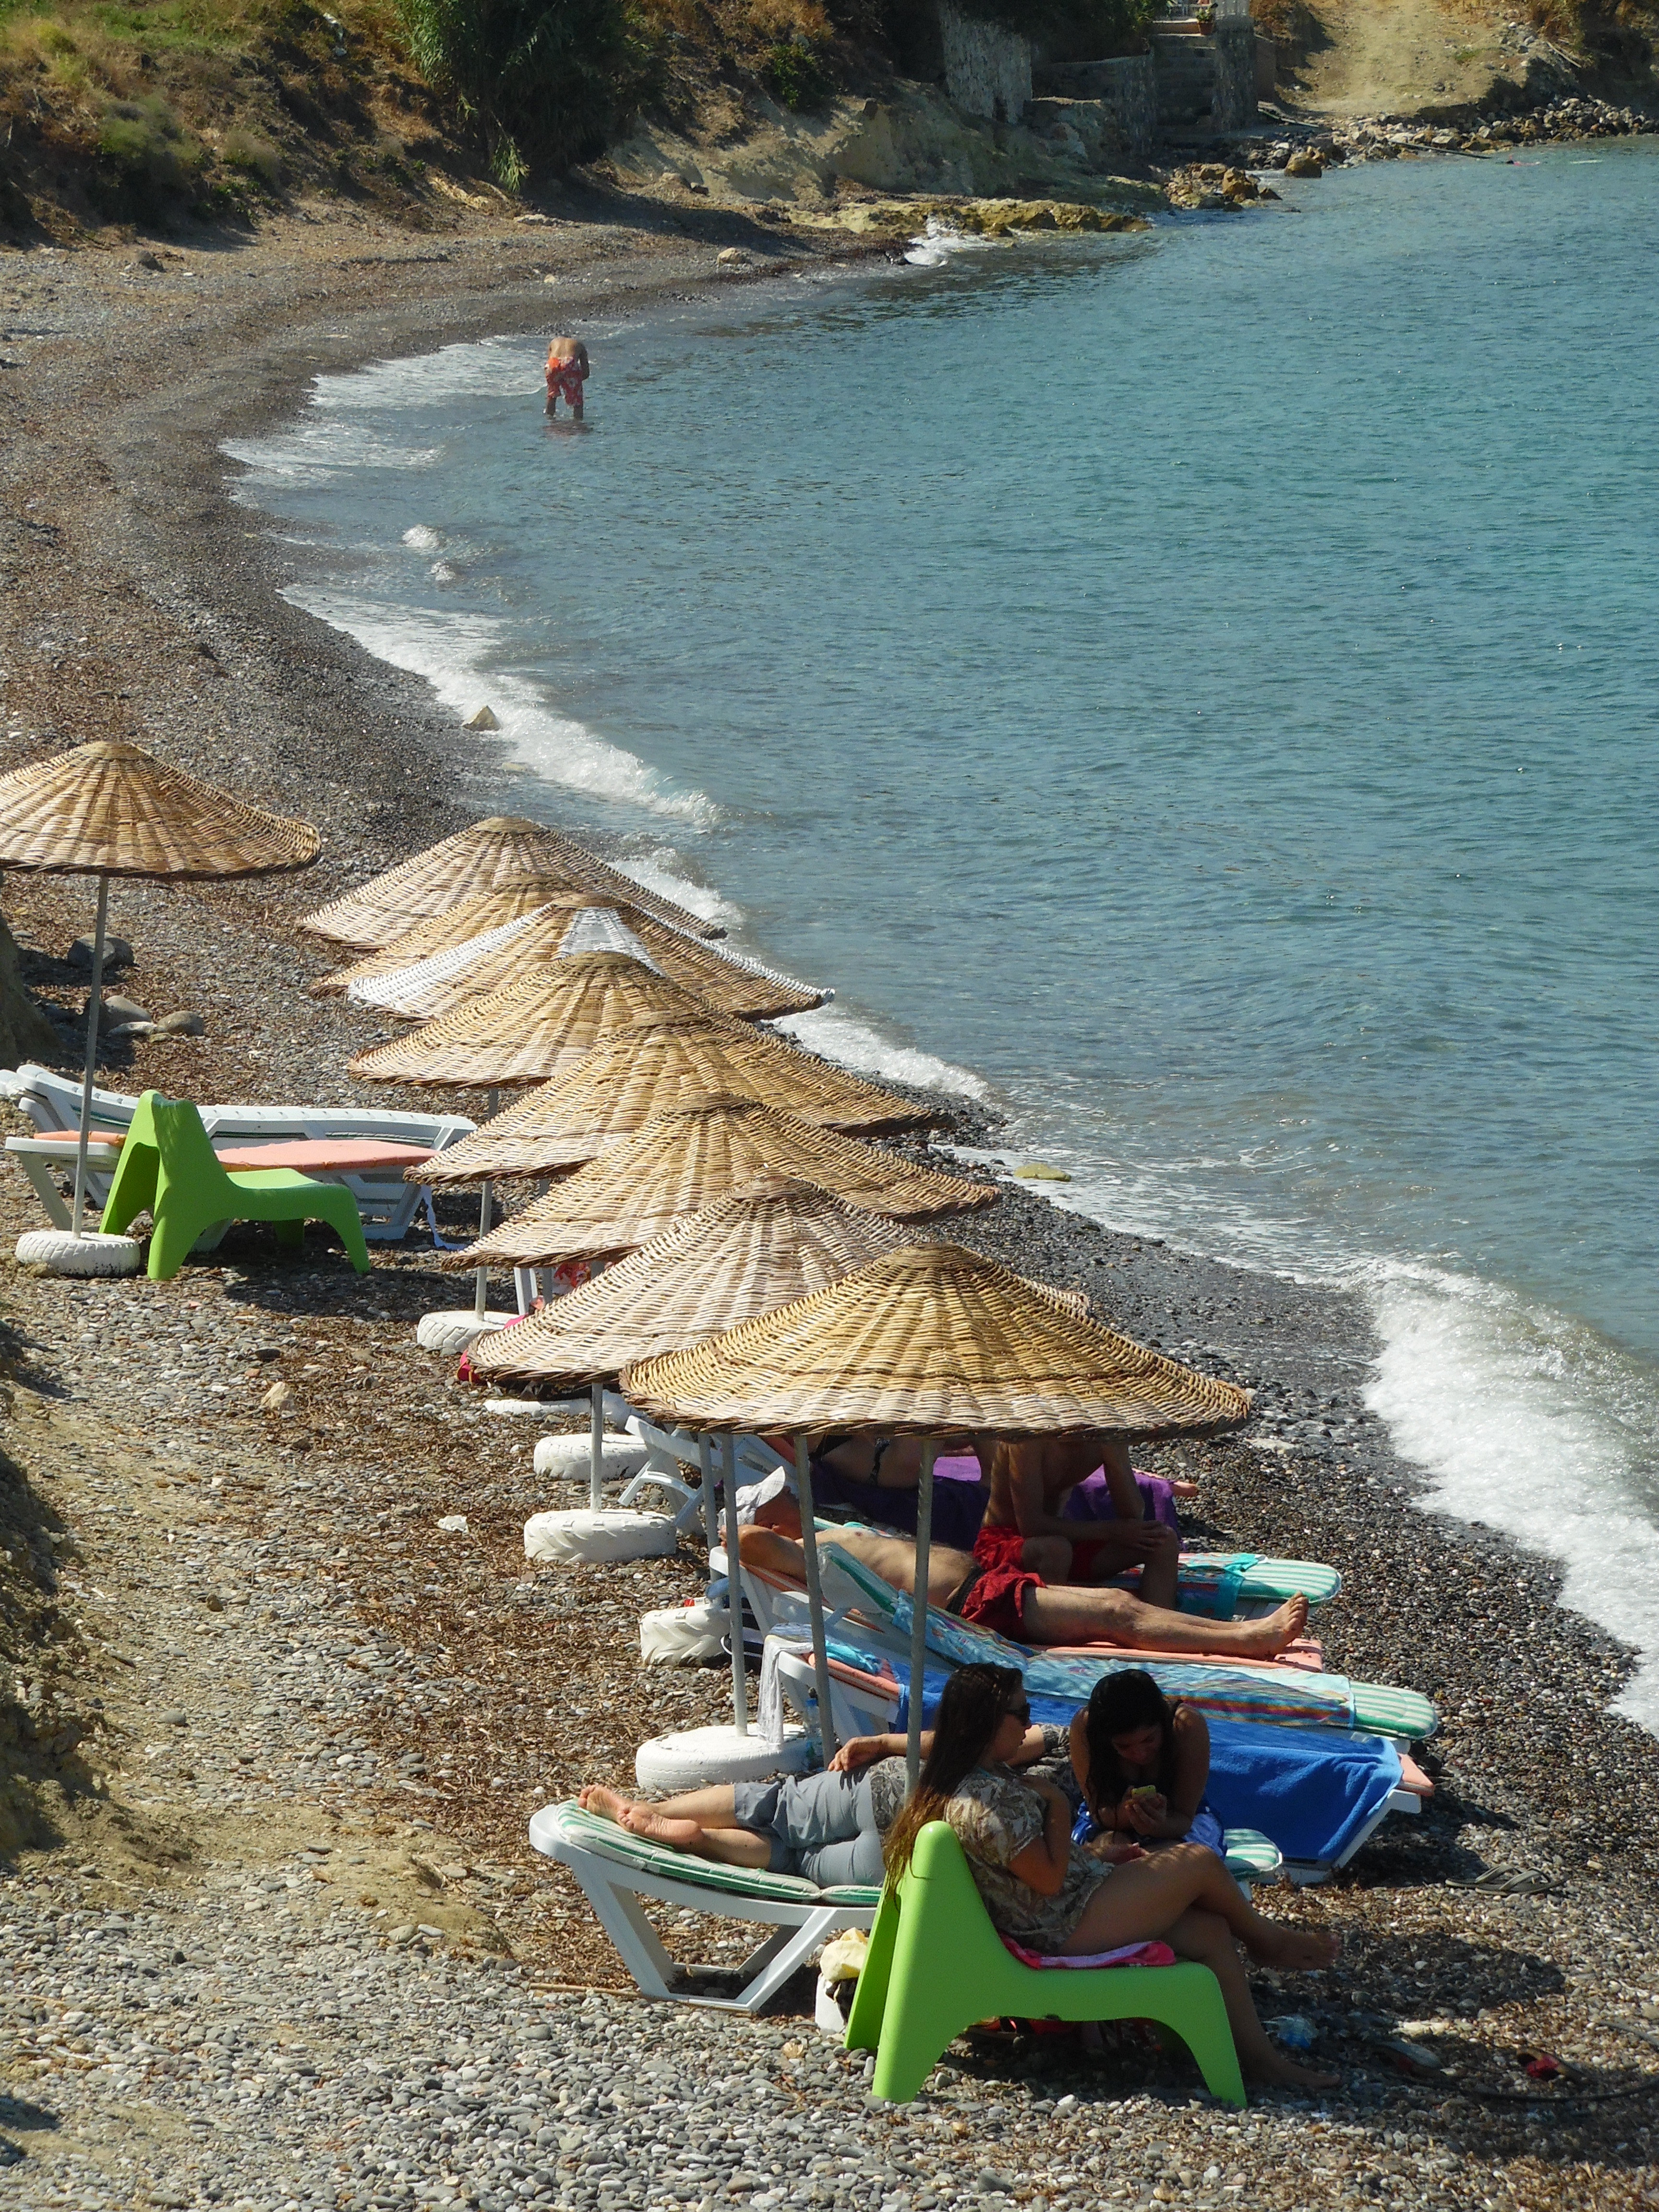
(701, 1822)
(1047, 1556)
(1205, 1937)
(1161, 1566)
(1071, 1614)
(1141, 1902)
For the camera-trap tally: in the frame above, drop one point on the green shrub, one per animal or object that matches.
(549, 79)
(254, 157)
(149, 150)
(796, 76)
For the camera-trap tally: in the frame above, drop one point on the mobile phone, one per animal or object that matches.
(1146, 1790)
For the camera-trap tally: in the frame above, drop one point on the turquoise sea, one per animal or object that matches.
(1199, 691)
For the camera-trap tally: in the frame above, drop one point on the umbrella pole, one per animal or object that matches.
(919, 1612)
(809, 1544)
(734, 1584)
(481, 1294)
(93, 1008)
(596, 1450)
(711, 1519)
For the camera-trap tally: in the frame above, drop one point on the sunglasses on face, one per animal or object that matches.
(1022, 1712)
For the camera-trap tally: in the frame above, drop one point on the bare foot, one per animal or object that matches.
(660, 1828)
(1296, 1950)
(1284, 2074)
(607, 1803)
(1267, 1637)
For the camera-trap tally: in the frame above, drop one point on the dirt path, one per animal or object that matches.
(1389, 56)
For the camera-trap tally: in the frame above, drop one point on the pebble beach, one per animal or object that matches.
(273, 1933)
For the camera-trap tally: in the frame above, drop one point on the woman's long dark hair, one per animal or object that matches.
(1123, 1704)
(973, 1707)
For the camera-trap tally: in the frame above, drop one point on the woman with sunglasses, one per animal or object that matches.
(1060, 1899)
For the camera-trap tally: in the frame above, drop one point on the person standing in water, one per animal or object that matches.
(567, 372)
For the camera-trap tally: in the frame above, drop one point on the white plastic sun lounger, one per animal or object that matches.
(386, 1204)
(617, 1869)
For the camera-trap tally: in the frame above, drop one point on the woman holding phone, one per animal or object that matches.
(1143, 1765)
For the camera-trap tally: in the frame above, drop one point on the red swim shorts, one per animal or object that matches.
(996, 1547)
(995, 1598)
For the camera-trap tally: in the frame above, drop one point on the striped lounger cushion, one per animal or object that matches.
(589, 1833)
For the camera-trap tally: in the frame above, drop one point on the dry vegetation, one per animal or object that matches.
(137, 114)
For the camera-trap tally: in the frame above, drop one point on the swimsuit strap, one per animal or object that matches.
(963, 1589)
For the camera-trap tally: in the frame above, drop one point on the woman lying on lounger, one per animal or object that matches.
(1143, 1765)
(1052, 1896)
(827, 1828)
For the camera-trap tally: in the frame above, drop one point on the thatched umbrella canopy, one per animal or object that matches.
(530, 1032)
(451, 976)
(759, 1249)
(655, 1066)
(929, 1341)
(486, 916)
(478, 858)
(679, 1163)
(108, 809)
(602, 929)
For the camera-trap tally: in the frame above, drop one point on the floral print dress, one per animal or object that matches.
(996, 1816)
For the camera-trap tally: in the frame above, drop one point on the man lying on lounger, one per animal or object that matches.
(1018, 1603)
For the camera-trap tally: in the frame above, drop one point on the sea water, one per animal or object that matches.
(1197, 690)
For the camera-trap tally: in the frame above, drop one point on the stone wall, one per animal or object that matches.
(1208, 76)
(1233, 107)
(1126, 88)
(988, 69)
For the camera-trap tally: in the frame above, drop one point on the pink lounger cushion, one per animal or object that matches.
(1128, 1954)
(325, 1155)
(1304, 1654)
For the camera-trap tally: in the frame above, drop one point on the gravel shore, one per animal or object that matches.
(276, 1937)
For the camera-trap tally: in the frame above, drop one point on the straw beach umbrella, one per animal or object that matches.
(652, 1066)
(927, 1342)
(761, 1248)
(448, 978)
(479, 858)
(520, 1036)
(530, 1031)
(679, 1163)
(487, 914)
(108, 809)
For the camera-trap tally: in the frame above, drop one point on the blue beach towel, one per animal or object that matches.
(1312, 1790)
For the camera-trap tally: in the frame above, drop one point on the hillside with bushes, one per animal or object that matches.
(124, 114)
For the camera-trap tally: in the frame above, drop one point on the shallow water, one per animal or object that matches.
(1197, 690)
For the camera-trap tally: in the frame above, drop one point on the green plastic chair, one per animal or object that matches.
(936, 1966)
(169, 1164)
